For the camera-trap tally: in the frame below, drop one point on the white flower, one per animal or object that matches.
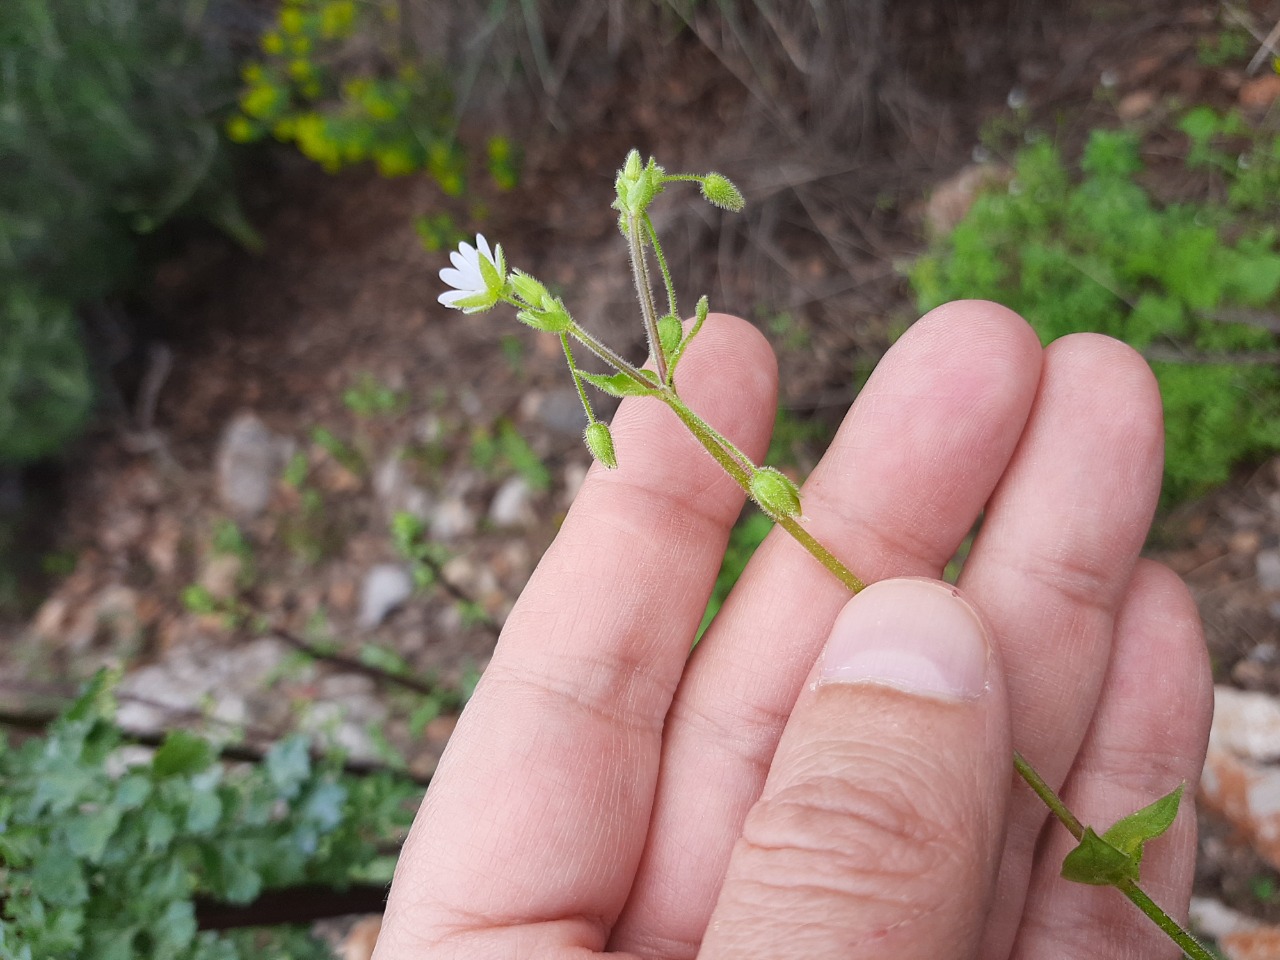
(478, 277)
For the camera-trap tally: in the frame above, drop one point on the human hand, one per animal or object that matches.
(605, 792)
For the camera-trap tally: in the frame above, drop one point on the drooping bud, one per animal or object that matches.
(719, 190)
(775, 492)
(600, 442)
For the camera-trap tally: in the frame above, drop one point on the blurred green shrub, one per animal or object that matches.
(335, 79)
(102, 857)
(107, 131)
(1192, 285)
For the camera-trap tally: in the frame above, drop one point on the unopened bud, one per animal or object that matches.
(719, 190)
(600, 442)
(775, 492)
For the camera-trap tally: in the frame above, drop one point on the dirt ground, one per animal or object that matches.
(343, 298)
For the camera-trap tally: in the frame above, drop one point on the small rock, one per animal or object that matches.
(1244, 541)
(221, 575)
(1136, 104)
(163, 544)
(557, 410)
(1267, 569)
(512, 505)
(575, 473)
(250, 457)
(1246, 724)
(361, 939)
(451, 519)
(950, 200)
(1260, 93)
(396, 491)
(385, 587)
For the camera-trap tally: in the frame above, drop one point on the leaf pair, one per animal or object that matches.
(1116, 855)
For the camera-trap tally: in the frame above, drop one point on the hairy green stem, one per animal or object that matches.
(662, 266)
(644, 291)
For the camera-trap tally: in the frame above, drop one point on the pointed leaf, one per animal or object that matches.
(617, 384)
(669, 333)
(1128, 835)
(1098, 863)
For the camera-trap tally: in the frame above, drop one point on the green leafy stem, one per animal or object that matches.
(481, 281)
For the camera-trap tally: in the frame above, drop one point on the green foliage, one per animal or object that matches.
(103, 857)
(503, 448)
(369, 397)
(1094, 251)
(107, 131)
(335, 79)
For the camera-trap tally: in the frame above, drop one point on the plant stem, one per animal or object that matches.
(662, 266)
(1172, 929)
(644, 291)
(1187, 943)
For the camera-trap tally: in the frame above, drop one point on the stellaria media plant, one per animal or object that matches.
(480, 280)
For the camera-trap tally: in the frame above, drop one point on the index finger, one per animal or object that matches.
(536, 819)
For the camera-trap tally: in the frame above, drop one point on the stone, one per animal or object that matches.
(384, 588)
(221, 575)
(1260, 93)
(452, 519)
(1136, 104)
(250, 457)
(950, 200)
(1267, 570)
(512, 505)
(558, 410)
(1246, 724)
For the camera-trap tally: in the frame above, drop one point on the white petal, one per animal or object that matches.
(450, 297)
(483, 246)
(459, 279)
(458, 260)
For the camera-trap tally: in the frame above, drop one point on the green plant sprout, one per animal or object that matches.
(480, 280)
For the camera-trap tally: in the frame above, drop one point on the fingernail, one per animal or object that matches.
(917, 636)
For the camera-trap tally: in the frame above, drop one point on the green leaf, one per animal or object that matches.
(1097, 863)
(181, 754)
(669, 334)
(1128, 835)
(88, 833)
(618, 384)
(1117, 855)
(203, 812)
(288, 765)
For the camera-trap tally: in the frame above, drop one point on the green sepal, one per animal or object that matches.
(476, 303)
(528, 289)
(1117, 854)
(620, 384)
(637, 184)
(670, 331)
(599, 441)
(493, 274)
(777, 495)
(551, 317)
(720, 191)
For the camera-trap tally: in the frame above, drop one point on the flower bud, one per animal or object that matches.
(600, 442)
(718, 190)
(775, 492)
(528, 289)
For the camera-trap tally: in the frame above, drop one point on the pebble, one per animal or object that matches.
(384, 588)
(1267, 569)
(558, 410)
(452, 519)
(250, 457)
(512, 505)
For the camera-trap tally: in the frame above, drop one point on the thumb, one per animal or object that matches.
(880, 826)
